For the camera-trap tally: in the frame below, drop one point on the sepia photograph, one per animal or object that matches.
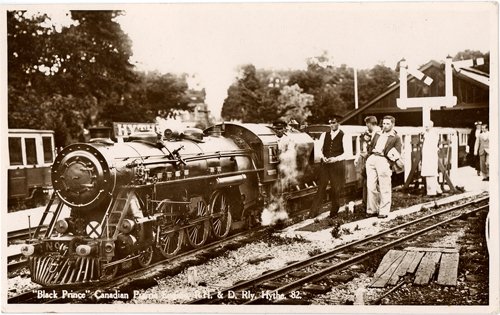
(252, 157)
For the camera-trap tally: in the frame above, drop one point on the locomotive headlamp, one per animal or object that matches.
(84, 250)
(27, 250)
(62, 226)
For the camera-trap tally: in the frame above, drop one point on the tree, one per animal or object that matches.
(84, 66)
(474, 54)
(243, 95)
(322, 80)
(28, 49)
(78, 76)
(152, 93)
(376, 81)
(293, 104)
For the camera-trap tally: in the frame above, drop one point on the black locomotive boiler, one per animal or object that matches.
(159, 194)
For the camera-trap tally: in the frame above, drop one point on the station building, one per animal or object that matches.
(470, 86)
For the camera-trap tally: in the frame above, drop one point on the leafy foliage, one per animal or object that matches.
(293, 104)
(77, 76)
(313, 95)
(263, 96)
(472, 54)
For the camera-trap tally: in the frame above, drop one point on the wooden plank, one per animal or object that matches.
(427, 267)
(433, 249)
(386, 261)
(402, 268)
(416, 261)
(448, 269)
(381, 281)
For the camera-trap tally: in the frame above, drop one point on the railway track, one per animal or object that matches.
(17, 236)
(16, 262)
(288, 284)
(128, 279)
(137, 274)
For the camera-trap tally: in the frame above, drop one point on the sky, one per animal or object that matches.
(210, 41)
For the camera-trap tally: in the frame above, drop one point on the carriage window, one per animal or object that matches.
(354, 145)
(15, 152)
(47, 150)
(30, 151)
(463, 139)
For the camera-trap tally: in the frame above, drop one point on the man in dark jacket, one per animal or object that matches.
(372, 127)
(384, 147)
(332, 168)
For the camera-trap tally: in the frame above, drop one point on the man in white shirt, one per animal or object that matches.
(332, 168)
(378, 168)
(475, 148)
(484, 152)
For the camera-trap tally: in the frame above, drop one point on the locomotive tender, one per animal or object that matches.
(128, 200)
(160, 194)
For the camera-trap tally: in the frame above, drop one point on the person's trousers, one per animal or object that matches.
(484, 162)
(333, 173)
(476, 163)
(432, 185)
(378, 172)
(365, 191)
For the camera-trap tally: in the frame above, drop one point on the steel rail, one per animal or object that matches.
(323, 256)
(359, 258)
(137, 272)
(23, 234)
(26, 297)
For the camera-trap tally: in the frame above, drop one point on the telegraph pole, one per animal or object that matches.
(356, 105)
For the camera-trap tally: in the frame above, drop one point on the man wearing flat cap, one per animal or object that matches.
(279, 128)
(332, 167)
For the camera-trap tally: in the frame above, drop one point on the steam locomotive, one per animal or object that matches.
(151, 194)
(158, 194)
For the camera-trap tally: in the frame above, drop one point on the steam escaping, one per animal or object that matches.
(274, 212)
(288, 173)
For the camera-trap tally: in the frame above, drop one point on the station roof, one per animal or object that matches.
(472, 75)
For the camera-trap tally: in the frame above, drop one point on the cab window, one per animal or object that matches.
(15, 151)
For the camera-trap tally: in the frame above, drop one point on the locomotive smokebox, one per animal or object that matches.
(81, 176)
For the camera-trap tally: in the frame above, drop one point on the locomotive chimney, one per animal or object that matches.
(100, 134)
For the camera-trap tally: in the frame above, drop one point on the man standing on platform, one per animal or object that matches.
(385, 149)
(430, 160)
(474, 146)
(366, 138)
(484, 152)
(332, 168)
